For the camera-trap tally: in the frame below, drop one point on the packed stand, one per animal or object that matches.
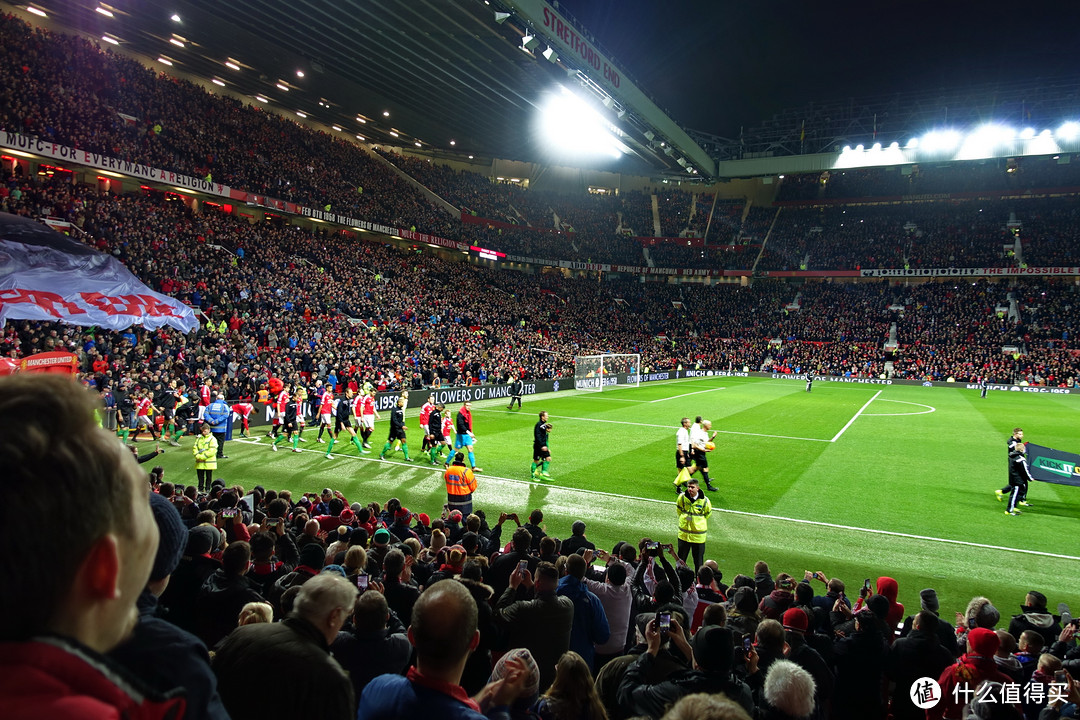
(369, 609)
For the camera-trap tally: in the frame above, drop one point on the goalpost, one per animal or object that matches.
(593, 372)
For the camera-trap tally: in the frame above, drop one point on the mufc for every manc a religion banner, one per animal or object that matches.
(1053, 466)
(45, 275)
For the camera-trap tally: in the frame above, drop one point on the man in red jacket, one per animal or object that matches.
(960, 682)
(69, 594)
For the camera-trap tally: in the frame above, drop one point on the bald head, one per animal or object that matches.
(443, 629)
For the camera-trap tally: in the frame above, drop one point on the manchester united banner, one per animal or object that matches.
(1054, 466)
(45, 275)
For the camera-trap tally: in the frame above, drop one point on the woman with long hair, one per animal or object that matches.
(573, 695)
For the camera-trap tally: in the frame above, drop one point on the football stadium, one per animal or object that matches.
(471, 369)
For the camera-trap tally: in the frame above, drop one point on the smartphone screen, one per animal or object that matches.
(663, 622)
(1061, 678)
(747, 644)
(523, 566)
(866, 584)
(361, 582)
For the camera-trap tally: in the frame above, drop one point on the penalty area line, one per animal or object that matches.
(855, 417)
(696, 392)
(657, 501)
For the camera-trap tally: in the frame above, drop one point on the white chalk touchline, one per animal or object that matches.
(654, 501)
(855, 417)
(666, 427)
(696, 392)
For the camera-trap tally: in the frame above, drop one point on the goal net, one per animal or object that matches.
(592, 373)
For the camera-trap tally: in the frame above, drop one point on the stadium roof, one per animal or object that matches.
(432, 71)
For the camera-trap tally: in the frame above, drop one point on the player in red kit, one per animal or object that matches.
(243, 412)
(144, 416)
(425, 415)
(204, 398)
(326, 411)
(367, 416)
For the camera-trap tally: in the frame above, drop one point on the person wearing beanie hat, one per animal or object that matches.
(531, 689)
(928, 600)
(789, 691)
(400, 527)
(381, 536)
(743, 611)
(158, 652)
(973, 667)
(795, 620)
(313, 555)
(713, 652)
(801, 651)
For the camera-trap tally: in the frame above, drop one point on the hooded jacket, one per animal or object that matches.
(590, 625)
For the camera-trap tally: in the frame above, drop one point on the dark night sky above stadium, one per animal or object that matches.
(717, 65)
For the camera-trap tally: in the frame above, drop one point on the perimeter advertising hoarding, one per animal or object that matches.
(452, 396)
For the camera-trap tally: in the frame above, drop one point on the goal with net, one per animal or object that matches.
(592, 373)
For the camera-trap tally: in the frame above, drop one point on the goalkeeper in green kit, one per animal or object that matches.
(541, 453)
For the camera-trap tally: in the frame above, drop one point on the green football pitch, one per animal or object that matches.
(853, 480)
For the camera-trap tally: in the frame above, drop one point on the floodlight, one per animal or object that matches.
(500, 17)
(681, 161)
(571, 127)
(669, 151)
(859, 148)
(530, 42)
(913, 143)
(609, 103)
(649, 135)
(876, 147)
(894, 145)
(847, 149)
(550, 55)
(941, 140)
(1069, 130)
(1027, 133)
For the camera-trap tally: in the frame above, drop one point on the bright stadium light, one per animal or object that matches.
(1069, 130)
(913, 143)
(985, 140)
(859, 148)
(940, 140)
(847, 149)
(876, 147)
(569, 126)
(1027, 133)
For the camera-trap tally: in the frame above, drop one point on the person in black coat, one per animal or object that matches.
(860, 667)
(919, 654)
(224, 595)
(376, 644)
(160, 653)
(576, 540)
(295, 650)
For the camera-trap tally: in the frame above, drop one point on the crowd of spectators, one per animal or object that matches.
(179, 602)
(287, 302)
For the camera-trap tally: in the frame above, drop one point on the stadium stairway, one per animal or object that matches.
(657, 231)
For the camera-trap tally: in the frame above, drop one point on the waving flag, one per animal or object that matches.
(45, 275)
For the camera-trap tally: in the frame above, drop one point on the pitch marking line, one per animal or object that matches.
(697, 392)
(655, 501)
(929, 409)
(855, 417)
(666, 427)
